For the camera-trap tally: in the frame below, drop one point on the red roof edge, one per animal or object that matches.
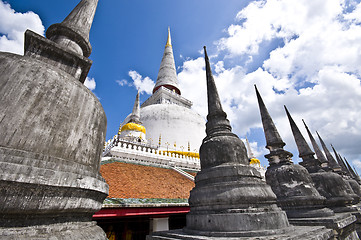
(128, 212)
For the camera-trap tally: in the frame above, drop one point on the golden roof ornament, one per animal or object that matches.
(169, 40)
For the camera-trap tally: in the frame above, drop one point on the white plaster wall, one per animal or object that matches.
(129, 134)
(175, 124)
(159, 224)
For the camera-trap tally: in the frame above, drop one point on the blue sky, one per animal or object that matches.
(303, 54)
(130, 35)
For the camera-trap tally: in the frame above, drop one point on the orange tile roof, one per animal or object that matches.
(137, 181)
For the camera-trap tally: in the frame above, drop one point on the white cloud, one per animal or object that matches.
(13, 26)
(314, 68)
(142, 84)
(357, 164)
(193, 84)
(90, 83)
(123, 82)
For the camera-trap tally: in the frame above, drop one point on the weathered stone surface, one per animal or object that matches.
(73, 32)
(50, 52)
(355, 186)
(330, 185)
(45, 111)
(292, 233)
(68, 231)
(52, 130)
(295, 191)
(291, 183)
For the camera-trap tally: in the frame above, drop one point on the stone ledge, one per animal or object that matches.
(291, 233)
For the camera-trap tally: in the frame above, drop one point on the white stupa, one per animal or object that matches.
(167, 116)
(254, 162)
(132, 129)
(164, 130)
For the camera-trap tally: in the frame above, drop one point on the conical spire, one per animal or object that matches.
(344, 165)
(135, 115)
(340, 161)
(351, 170)
(355, 171)
(349, 167)
(217, 118)
(250, 153)
(315, 146)
(167, 75)
(169, 40)
(273, 138)
(73, 32)
(303, 148)
(274, 141)
(331, 161)
(348, 170)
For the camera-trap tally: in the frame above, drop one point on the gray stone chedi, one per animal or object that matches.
(290, 182)
(51, 137)
(230, 200)
(329, 185)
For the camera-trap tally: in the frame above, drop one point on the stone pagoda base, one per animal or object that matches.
(343, 224)
(292, 232)
(60, 231)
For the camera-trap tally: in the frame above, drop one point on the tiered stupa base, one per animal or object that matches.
(342, 224)
(60, 231)
(310, 233)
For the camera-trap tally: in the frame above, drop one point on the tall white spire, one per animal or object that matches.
(167, 75)
(135, 116)
(250, 153)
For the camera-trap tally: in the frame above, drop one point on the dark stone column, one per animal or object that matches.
(52, 130)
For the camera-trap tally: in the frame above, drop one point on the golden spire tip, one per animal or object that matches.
(169, 40)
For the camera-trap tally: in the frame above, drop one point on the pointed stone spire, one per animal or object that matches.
(340, 161)
(135, 115)
(167, 75)
(321, 158)
(273, 138)
(274, 141)
(250, 153)
(217, 118)
(292, 183)
(351, 170)
(221, 203)
(303, 148)
(355, 170)
(331, 161)
(73, 32)
(345, 166)
(305, 152)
